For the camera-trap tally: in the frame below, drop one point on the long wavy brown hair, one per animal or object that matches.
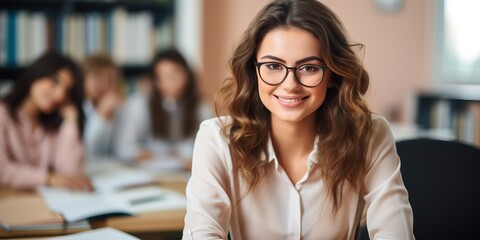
(159, 117)
(344, 120)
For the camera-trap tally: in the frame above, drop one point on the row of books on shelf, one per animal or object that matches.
(464, 121)
(130, 37)
(132, 84)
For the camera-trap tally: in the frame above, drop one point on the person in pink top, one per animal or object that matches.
(41, 124)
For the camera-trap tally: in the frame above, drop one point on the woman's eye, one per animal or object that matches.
(274, 66)
(309, 68)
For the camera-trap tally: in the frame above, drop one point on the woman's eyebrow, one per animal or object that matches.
(307, 59)
(297, 62)
(273, 58)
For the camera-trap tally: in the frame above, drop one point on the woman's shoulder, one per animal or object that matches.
(381, 131)
(212, 133)
(379, 123)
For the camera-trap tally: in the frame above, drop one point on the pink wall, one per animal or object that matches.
(223, 22)
(397, 50)
(397, 46)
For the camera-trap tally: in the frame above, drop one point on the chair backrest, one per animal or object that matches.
(443, 182)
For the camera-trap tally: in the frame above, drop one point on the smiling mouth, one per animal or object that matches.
(291, 100)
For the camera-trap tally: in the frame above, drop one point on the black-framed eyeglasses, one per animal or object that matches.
(274, 73)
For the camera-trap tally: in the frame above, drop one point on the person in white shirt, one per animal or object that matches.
(300, 155)
(104, 99)
(162, 125)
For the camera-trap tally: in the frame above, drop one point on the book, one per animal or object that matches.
(77, 206)
(22, 25)
(39, 33)
(11, 40)
(25, 210)
(77, 226)
(119, 190)
(3, 37)
(119, 35)
(30, 212)
(130, 37)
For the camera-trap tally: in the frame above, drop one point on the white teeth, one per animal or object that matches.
(290, 100)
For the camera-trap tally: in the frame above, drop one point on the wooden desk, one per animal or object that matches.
(151, 222)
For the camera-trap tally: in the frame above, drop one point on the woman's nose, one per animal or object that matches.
(291, 81)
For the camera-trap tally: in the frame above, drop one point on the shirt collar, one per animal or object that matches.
(312, 157)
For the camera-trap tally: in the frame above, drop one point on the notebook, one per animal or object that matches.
(30, 212)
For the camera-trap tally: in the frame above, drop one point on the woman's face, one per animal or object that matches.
(290, 101)
(49, 93)
(99, 83)
(171, 79)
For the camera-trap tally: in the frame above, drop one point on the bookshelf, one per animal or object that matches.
(451, 107)
(130, 31)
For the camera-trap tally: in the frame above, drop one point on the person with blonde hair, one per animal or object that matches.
(300, 155)
(104, 99)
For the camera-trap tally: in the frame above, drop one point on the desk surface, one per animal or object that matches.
(161, 221)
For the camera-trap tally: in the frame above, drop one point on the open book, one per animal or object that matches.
(118, 191)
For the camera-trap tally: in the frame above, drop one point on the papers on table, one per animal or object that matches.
(101, 233)
(159, 166)
(119, 190)
(117, 180)
(111, 176)
(75, 206)
(151, 198)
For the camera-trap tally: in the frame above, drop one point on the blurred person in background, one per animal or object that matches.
(41, 125)
(104, 94)
(162, 124)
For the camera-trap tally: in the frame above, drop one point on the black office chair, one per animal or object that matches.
(443, 182)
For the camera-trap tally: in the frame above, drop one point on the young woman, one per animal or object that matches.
(41, 122)
(163, 124)
(104, 99)
(300, 155)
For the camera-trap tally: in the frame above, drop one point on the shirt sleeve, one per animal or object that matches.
(389, 214)
(13, 174)
(208, 204)
(132, 128)
(98, 135)
(68, 151)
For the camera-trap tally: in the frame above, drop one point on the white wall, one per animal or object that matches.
(189, 30)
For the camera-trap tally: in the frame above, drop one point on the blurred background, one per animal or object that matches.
(423, 57)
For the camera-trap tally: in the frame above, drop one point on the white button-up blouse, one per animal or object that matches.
(218, 202)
